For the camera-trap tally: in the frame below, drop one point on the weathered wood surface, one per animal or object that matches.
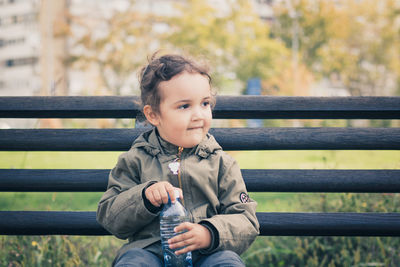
(239, 107)
(260, 180)
(271, 223)
(228, 138)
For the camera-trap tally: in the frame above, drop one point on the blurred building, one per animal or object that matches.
(19, 47)
(31, 52)
(34, 46)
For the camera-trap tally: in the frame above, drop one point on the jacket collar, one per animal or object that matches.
(153, 144)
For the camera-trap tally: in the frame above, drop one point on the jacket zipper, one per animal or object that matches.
(180, 150)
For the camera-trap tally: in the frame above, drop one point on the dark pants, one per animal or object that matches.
(141, 257)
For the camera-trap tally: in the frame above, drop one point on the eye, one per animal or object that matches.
(206, 103)
(185, 106)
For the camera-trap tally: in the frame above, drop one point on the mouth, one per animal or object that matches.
(195, 128)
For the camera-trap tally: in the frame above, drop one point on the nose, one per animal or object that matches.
(198, 113)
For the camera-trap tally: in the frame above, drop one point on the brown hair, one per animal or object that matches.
(161, 69)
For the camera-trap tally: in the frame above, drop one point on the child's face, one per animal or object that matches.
(185, 113)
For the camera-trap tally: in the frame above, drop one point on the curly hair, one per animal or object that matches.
(164, 68)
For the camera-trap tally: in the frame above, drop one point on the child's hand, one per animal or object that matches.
(158, 193)
(196, 237)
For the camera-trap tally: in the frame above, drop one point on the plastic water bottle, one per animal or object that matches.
(171, 216)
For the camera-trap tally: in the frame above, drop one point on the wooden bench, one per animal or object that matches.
(259, 180)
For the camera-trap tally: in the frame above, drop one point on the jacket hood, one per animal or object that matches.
(153, 144)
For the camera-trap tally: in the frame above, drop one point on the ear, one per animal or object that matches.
(151, 115)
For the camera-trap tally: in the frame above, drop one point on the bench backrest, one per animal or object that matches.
(258, 180)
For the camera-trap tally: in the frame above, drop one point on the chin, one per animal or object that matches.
(192, 140)
(192, 143)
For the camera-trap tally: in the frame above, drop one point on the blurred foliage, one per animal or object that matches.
(49, 251)
(332, 250)
(323, 251)
(355, 43)
(112, 48)
(235, 40)
(236, 44)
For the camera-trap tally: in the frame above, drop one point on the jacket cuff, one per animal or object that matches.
(214, 238)
(150, 207)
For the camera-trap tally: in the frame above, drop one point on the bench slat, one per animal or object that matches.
(329, 224)
(79, 180)
(229, 138)
(272, 223)
(339, 181)
(240, 107)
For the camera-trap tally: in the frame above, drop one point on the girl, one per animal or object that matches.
(177, 100)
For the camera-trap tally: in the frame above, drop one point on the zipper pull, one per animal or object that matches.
(174, 166)
(180, 150)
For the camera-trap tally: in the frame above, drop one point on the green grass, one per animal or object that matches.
(58, 160)
(332, 159)
(362, 159)
(61, 201)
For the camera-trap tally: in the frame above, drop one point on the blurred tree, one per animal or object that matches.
(113, 48)
(355, 41)
(365, 55)
(307, 21)
(233, 38)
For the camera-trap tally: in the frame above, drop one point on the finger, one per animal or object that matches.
(181, 238)
(168, 189)
(164, 195)
(185, 250)
(183, 243)
(183, 226)
(171, 192)
(157, 198)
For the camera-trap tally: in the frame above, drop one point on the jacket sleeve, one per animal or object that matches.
(122, 210)
(236, 224)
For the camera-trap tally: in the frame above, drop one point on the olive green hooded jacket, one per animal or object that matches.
(213, 190)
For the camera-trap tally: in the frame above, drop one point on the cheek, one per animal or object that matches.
(178, 124)
(209, 117)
